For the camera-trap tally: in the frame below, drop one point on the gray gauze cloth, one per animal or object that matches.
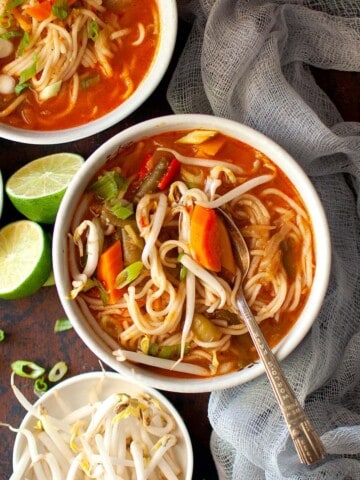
(249, 61)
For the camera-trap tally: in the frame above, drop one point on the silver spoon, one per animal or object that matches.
(306, 440)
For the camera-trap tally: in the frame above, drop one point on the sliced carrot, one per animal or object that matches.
(40, 11)
(226, 253)
(205, 238)
(109, 266)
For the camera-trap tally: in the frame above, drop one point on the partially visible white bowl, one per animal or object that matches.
(169, 23)
(247, 135)
(75, 392)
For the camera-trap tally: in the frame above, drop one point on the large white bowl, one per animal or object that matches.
(169, 24)
(247, 135)
(75, 393)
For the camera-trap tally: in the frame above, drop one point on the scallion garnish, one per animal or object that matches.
(2, 335)
(62, 324)
(93, 32)
(103, 293)
(11, 34)
(57, 372)
(128, 274)
(27, 369)
(40, 386)
(109, 184)
(29, 72)
(60, 9)
(13, 4)
(122, 208)
(90, 81)
(166, 351)
(183, 271)
(25, 41)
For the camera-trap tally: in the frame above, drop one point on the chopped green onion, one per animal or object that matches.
(27, 369)
(122, 209)
(57, 372)
(14, 3)
(109, 184)
(10, 34)
(103, 293)
(40, 386)
(93, 32)
(20, 87)
(2, 335)
(166, 351)
(25, 41)
(29, 72)
(183, 271)
(128, 274)
(62, 324)
(90, 81)
(60, 9)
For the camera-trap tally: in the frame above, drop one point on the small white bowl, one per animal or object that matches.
(75, 392)
(249, 136)
(169, 24)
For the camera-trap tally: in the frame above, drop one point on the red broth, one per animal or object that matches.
(273, 221)
(98, 93)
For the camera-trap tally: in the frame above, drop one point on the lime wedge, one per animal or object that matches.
(25, 259)
(36, 190)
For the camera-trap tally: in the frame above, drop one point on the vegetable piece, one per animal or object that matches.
(146, 166)
(50, 91)
(109, 266)
(205, 238)
(197, 136)
(57, 372)
(172, 171)
(2, 335)
(204, 329)
(40, 11)
(89, 81)
(151, 181)
(128, 274)
(27, 369)
(109, 184)
(211, 147)
(226, 252)
(121, 208)
(132, 243)
(62, 324)
(40, 386)
(171, 352)
(60, 9)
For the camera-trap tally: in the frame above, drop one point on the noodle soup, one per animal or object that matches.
(151, 264)
(64, 64)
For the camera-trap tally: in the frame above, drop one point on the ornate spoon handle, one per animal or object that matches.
(306, 440)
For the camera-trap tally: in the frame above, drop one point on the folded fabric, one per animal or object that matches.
(250, 61)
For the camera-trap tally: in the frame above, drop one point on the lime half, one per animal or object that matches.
(25, 259)
(36, 190)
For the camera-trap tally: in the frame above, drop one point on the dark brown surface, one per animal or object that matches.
(29, 323)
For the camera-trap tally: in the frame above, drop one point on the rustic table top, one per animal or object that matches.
(29, 323)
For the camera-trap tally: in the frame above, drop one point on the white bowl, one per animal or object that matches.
(75, 392)
(168, 22)
(246, 135)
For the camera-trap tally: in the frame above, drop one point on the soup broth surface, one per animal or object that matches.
(74, 65)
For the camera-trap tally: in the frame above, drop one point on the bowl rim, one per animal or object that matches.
(169, 18)
(270, 149)
(85, 381)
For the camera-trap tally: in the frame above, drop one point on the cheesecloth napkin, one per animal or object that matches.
(249, 61)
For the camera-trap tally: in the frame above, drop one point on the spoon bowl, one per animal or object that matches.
(306, 440)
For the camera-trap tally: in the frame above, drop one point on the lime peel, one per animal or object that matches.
(37, 188)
